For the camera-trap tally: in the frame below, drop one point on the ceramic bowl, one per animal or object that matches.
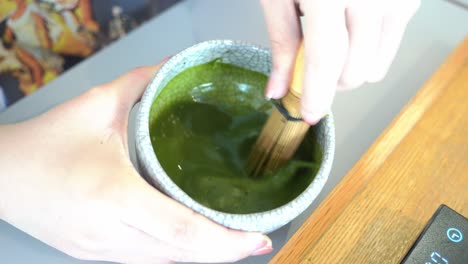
(247, 56)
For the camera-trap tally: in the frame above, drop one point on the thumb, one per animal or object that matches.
(129, 87)
(191, 236)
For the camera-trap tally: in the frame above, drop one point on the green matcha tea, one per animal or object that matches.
(203, 125)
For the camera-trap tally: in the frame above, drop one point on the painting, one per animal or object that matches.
(41, 39)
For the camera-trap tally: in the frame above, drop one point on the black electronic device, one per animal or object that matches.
(443, 241)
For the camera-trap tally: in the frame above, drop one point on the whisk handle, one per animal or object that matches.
(292, 100)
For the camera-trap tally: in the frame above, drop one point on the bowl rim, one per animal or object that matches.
(148, 161)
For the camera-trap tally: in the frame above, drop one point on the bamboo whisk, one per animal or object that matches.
(284, 129)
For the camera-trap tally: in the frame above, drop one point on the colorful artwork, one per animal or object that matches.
(40, 39)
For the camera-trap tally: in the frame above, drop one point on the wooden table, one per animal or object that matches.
(419, 162)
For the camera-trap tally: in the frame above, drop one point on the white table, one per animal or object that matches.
(360, 115)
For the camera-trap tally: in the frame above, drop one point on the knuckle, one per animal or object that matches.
(182, 231)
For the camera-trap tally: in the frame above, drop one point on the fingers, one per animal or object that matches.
(129, 245)
(364, 22)
(285, 34)
(347, 43)
(138, 247)
(326, 44)
(392, 31)
(194, 237)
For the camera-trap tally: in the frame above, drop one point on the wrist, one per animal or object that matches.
(3, 172)
(14, 164)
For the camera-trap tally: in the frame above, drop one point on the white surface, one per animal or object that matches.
(360, 115)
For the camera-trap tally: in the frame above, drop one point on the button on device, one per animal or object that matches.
(441, 241)
(454, 235)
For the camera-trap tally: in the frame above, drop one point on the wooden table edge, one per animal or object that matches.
(352, 183)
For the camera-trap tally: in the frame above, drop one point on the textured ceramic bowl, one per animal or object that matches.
(246, 56)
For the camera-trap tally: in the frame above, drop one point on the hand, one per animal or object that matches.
(347, 43)
(67, 180)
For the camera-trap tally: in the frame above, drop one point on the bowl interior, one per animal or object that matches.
(245, 56)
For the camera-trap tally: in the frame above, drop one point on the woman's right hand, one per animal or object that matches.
(347, 43)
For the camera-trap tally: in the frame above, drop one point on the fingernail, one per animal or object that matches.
(273, 94)
(311, 118)
(269, 94)
(270, 91)
(276, 85)
(264, 247)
